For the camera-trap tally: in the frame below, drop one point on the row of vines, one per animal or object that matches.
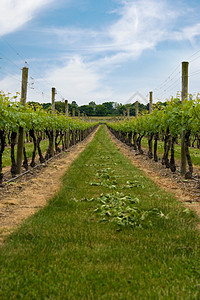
(37, 124)
(166, 123)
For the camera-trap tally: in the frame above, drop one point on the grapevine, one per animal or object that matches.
(37, 123)
(166, 123)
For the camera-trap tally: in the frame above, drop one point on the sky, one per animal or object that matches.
(100, 51)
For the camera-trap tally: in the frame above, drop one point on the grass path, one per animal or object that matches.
(75, 249)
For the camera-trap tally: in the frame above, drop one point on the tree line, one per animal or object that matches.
(92, 109)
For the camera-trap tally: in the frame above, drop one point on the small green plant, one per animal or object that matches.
(123, 210)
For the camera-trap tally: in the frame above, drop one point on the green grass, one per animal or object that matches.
(194, 152)
(66, 252)
(29, 150)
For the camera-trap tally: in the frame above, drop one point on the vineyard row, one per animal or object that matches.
(167, 123)
(60, 130)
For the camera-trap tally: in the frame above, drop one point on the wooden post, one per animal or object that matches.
(184, 96)
(150, 102)
(136, 115)
(67, 133)
(79, 132)
(53, 93)
(124, 114)
(73, 112)
(128, 114)
(20, 145)
(136, 109)
(66, 108)
(150, 111)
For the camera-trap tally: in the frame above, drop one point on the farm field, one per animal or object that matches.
(110, 232)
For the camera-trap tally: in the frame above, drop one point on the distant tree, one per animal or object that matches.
(132, 109)
(110, 107)
(87, 109)
(120, 109)
(101, 110)
(60, 106)
(73, 105)
(92, 109)
(92, 104)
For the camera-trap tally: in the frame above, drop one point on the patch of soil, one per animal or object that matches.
(186, 191)
(26, 195)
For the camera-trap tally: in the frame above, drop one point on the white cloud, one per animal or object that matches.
(188, 33)
(191, 31)
(76, 80)
(11, 84)
(79, 81)
(15, 13)
(141, 25)
(71, 36)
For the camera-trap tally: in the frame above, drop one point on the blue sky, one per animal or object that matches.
(99, 50)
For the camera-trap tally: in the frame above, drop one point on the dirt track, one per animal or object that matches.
(20, 199)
